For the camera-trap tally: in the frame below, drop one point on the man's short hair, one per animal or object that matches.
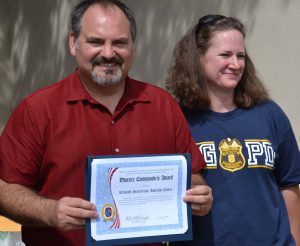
(80, 9)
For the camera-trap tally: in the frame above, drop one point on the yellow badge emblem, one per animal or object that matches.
(108, 212)
(231, 155)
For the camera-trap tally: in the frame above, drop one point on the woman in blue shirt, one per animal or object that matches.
(253, 161)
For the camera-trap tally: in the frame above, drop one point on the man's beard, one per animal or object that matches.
(112, 76)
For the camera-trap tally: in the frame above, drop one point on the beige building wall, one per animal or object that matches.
(34, 52)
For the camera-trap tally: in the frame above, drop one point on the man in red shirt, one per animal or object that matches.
(97, 110)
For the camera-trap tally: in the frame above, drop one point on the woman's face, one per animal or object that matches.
(224, 61)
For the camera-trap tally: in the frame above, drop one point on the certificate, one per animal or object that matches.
(138, 199)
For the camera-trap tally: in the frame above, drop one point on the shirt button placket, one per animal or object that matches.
(117, 150)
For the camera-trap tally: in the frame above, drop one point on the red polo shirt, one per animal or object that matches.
(47, 139)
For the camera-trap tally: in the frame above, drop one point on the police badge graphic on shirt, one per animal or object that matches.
(231, 156)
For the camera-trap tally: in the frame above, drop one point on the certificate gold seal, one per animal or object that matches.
(108, 212)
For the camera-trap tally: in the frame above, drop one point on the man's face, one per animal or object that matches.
(104, 49)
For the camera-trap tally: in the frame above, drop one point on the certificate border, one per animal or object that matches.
(148, 239)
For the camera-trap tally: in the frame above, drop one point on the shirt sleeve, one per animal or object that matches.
(288, 169)
(287, 162)
(21, 148)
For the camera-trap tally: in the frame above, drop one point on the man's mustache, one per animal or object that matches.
(99, 60)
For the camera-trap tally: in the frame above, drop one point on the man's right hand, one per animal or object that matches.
(71, 213)
(26, 207)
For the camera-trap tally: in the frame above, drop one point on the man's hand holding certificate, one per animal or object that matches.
(139, 199)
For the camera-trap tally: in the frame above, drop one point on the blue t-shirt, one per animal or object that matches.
(250, 154)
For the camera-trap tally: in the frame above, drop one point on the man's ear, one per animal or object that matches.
(72, 43)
